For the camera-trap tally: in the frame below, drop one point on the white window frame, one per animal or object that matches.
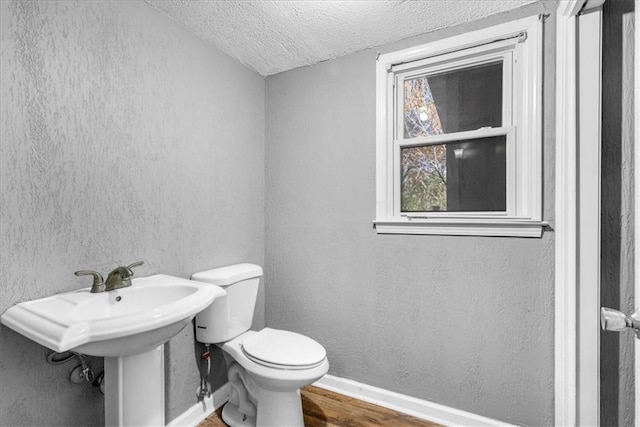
(518, 41)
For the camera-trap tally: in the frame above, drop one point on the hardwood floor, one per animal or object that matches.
(323, 408)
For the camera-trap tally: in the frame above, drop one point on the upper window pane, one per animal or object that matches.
(456, 101)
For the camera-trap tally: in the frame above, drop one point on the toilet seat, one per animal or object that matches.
(279, 349)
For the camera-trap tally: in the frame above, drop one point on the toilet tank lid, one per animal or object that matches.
(225, 276)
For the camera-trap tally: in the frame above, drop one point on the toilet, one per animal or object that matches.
(266, 368)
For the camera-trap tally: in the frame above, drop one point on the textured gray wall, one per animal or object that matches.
(462, 321)
(617, 275)
(122, 137)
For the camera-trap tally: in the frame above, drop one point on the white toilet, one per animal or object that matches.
(266, 368)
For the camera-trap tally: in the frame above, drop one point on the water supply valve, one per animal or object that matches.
(203, 390)
(80, 373)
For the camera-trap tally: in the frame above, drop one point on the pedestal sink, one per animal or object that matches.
(128, 327)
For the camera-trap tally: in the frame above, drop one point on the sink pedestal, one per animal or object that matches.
(134, 389)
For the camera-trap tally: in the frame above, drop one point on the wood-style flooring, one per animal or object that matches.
(323, 408)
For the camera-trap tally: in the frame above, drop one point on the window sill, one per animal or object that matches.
(462, 227)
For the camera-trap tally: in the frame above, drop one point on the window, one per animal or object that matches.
(459, 135)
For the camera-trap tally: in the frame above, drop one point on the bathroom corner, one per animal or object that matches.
(123, 136)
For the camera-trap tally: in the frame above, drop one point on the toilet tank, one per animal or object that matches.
(230, 315)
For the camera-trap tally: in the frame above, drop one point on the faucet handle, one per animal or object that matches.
(98, 282)
(97, 277)
(135, 264)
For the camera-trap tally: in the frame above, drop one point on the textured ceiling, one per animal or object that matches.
(273, 36)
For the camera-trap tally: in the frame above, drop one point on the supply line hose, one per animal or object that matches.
(80, 373)
(54, 358)
(203, 390)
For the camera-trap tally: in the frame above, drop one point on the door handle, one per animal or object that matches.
(614, 320)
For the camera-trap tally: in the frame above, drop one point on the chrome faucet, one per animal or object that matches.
(120, 277)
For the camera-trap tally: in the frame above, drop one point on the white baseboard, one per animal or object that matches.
(378, 396)
(406, 404)
(201, 410)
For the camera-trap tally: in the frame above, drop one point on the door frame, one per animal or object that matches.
(636, 208)
(576, 341)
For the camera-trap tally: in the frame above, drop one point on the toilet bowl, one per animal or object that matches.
(270, 377)
(266, 368)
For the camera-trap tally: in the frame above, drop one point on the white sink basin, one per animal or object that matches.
(117, 323)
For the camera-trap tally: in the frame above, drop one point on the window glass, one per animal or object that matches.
(467, 175)
(455, 101)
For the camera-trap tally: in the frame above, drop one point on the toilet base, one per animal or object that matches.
(279, 409)
(232, 416)
(275, 409)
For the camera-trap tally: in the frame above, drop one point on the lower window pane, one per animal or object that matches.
(461, 176)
